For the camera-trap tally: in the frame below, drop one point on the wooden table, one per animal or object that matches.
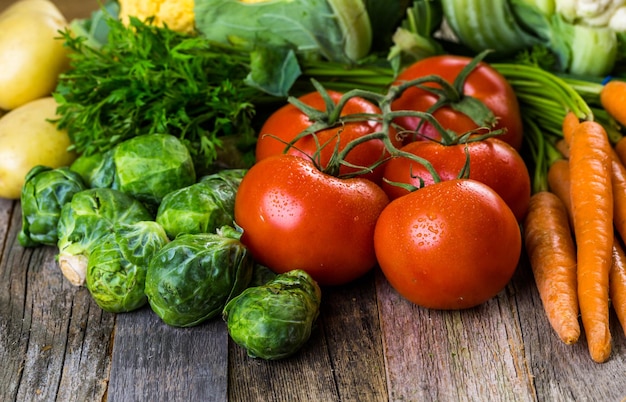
(56, 344)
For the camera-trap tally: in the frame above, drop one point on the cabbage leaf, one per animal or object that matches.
(310, 27)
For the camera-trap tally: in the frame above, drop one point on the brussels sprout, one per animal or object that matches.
(147, 167)
(97, 170)
(230, 176)
(273, 321)
(191, 279)
(86, 219)
(116, 271)
(202, 207)
(44, 193)
(150, 166)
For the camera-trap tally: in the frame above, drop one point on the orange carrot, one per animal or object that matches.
(563, 147)
(618, 179)
(552, 254)
(570, 122)
(559, 183)
(591, 196)
(617, 283)
(558, 175)
(613, 99)
(620, 149)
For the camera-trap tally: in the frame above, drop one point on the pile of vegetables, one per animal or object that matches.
(220, 169)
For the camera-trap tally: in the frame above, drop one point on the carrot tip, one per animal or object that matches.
(570, 340)
(600, 353)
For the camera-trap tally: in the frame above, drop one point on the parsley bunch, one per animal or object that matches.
(147, 79)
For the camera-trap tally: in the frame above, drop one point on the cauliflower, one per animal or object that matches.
(589, 12)
(618, 20)
(178, 15)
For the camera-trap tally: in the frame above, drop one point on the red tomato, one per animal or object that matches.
(492, 162)
(289, 121)
(452, 245)
(295, 217)
(484, 83)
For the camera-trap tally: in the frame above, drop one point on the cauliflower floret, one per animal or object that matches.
(178, 15)
(588, 12)
(618, 20)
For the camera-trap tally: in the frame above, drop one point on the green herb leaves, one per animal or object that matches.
(149, 80)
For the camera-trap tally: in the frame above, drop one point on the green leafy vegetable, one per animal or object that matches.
(202, 207)
(117, 265)
(91, 215)
(414, 40)
(43, 195)
(96, 28)
(335, 30)
(274, 320)
(191, 279)
(97, 170)
(147, 167)
(584, 44)
(150, 166)
(148, 80)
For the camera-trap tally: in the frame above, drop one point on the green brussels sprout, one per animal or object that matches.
(191, 279)
(117, 265)
(44, 193)
(230, 176)
(202, 207)
(275, 320)
(97, 170)
(150, 166)
(86, 219)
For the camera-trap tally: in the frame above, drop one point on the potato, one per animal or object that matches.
(30, 56)
(27, 139)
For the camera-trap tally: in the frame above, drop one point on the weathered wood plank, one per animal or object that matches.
(342, 361)
(156, 362)
(566, 372)
(504, 350)
(54, 340)
(470, 355)
(351, 319)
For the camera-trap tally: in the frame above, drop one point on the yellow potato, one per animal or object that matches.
(27, 139)
(30, 56)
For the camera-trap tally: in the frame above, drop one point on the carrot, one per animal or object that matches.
(620, 149)
(559, 183)
(613, 99)
(618, 179)
(550, 247)
(563, 147)
(591, 196)
(558, 175)
(570, 122)
(617, 283)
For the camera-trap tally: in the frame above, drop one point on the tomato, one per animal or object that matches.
(451, 245)
(492, 162)
(294, 216)
(484, 83)
(287, 122)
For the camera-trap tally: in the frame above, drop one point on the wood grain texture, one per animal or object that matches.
(369, 344)
(55, 341)
(155, 362)
(343, 360)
